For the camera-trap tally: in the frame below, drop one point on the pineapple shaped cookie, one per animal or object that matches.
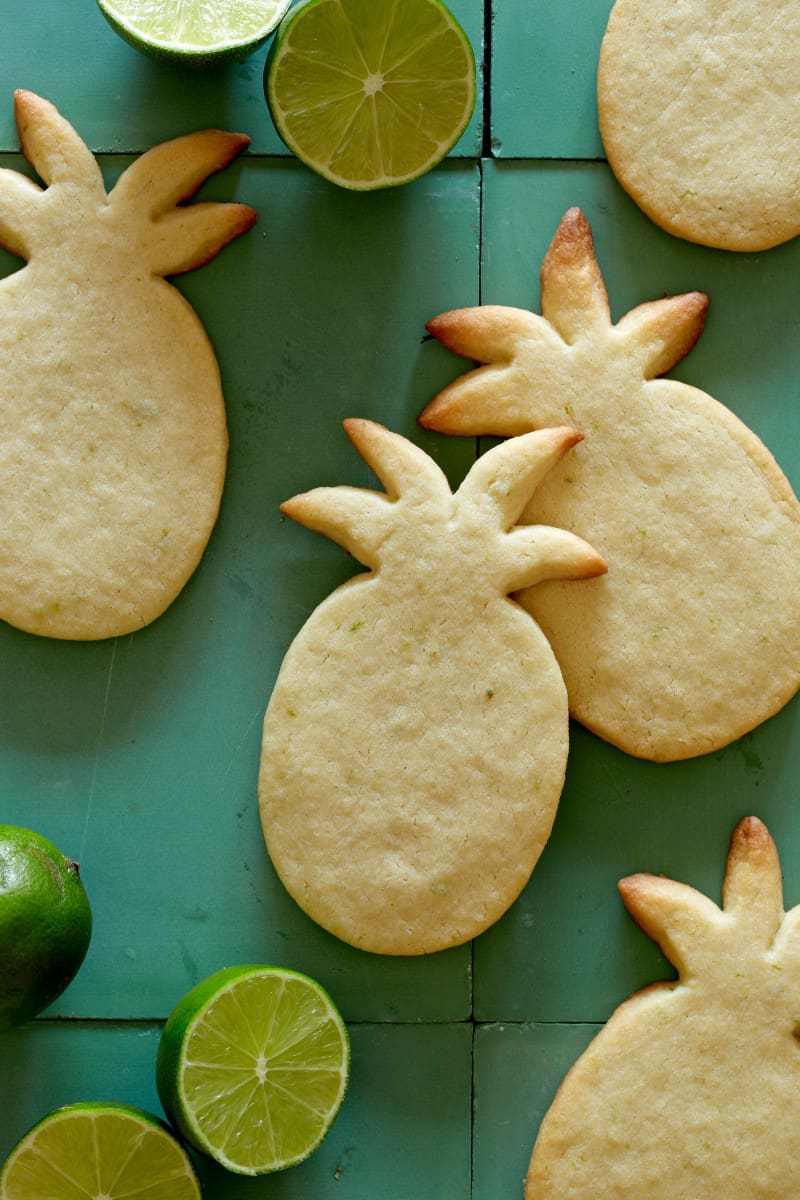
(692, 1089)
(699, 110)
(114, 445)
(693, 636)
(415, 743)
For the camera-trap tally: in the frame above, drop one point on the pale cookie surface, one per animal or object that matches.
(114, 444)
(692, 1089)
(415, 744)
(699, 109)
(693, 636)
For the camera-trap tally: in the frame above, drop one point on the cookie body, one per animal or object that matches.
(691, 1090)
(693, 636)
(396, 827)
(415, 743)
(699, 113)
(114, 449)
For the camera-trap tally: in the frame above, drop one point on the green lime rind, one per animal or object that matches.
(352, 124)
(45, 923)
(115, 1149)
(211, 49)
(252, 1067)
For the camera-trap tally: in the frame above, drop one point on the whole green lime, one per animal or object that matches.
(45, 923)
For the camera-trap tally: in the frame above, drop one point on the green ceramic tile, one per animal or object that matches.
(403, 1129)
(567, 950)
(543, 78)
(139, 755)
(122, 101)
(51, 1063)
(516, 1073)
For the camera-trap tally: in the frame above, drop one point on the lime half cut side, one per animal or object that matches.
(198, 32)
(370, 93)
(99, 1152)
(252, 1067)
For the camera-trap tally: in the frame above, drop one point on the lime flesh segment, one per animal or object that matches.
(253, 1066)
(195, 30)
(370, 95)
(99, 1152)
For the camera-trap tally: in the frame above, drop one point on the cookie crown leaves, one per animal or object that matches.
(575, 321)
(418, 512)
(147, 202)
(749, 938)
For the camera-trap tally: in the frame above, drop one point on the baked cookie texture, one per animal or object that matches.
(693, 636)
(114, 446)
(415, 743)
(699, 111)
(692, 1089)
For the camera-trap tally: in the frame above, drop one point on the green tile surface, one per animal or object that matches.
(142, 752)
(139, 755)
(403, 1129)
(517, 1069)
(543, 69)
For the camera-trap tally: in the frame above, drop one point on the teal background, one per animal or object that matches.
(139, 755)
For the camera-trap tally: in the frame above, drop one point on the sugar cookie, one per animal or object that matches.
(693, 636)
(415, 743)
(114, 444)
(699, 110)
(692, 1089)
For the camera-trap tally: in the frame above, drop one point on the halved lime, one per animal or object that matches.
(199, 32)
(370, 93)
(99, 1152)
(252, 1067)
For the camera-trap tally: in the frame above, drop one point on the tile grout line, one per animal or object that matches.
(486, 149)
(486, 153)
(374, 1022)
